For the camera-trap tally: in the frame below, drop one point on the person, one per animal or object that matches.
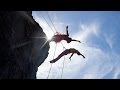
(59, 37)
(67, 51)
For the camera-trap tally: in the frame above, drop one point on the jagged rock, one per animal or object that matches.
(22, 50)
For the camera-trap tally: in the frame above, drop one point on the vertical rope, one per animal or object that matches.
(52, 63)
(55, 46)
(63, 64)
(63, 45)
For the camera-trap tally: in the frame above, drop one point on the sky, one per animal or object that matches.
(99, 33)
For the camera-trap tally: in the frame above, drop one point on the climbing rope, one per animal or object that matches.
(55, 46)
(62, 45)
(52, 24)
(47, 23)
(51, 21)
(52, 63)
(63, 65)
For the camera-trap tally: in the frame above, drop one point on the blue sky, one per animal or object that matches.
(99, 32)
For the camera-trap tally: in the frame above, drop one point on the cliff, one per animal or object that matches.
(23, 46)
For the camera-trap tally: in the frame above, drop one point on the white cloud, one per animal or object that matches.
(110, 39)
(87, 30)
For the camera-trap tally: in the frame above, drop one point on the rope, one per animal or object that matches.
(63, 65)
(53, 26)
(52, 63)
(61, 43)
(47, 23)
(50, 26)
(56, 44)
(51, 21)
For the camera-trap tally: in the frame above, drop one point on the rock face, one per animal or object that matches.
(23, 46)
